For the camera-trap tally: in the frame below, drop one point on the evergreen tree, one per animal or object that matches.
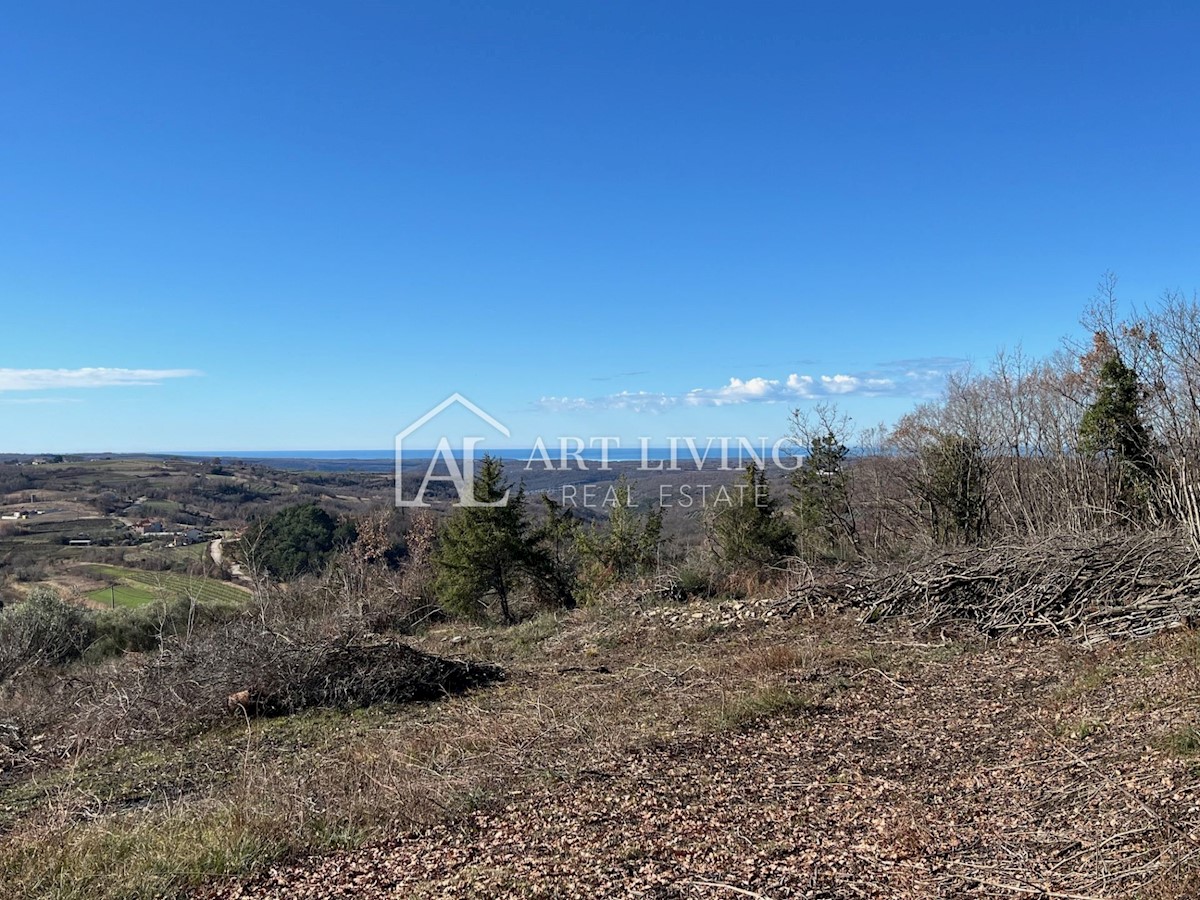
(558, 534)
(1112, 426)
(821, 488)
(629, 545)
(294, 541)
(490, 551)
(751, 530)
(955, 489)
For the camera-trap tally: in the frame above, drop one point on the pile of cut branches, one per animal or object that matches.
(353, 674)
(1091, 587)
(243, 668)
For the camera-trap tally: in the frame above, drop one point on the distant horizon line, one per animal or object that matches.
(617, 454)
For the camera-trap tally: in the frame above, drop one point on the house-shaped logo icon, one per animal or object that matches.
(462, 477)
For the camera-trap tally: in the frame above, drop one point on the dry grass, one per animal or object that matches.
(583, 688)
(584, 691)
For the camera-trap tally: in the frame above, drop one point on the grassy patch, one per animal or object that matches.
(134, 857)
(159, 507)
(1078, 730)
(130, 596)
(1093, 677)
(763, 703)
(150, 821)
(140, 587)
(1184, 741)
(588, 687)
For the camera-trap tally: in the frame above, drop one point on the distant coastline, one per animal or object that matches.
(617, 454)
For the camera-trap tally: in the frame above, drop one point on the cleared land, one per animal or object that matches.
(666, 750)
(834, 765)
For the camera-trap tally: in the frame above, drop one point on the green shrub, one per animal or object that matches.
(694, 583)
(628, 546)
(492, 550)
(750, 531)
(43, 628)
(1184, 741)
(143, 629)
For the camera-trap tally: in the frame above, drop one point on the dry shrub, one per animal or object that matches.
(769, 581)
(775, 659)
(361, 585)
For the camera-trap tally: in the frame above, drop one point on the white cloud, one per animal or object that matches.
(641, 401)
(58, 379)
(752, 390)
(637, 401)
(854, 384)
(562, 404)
(840, 384)
(894, 381)
(801, 385)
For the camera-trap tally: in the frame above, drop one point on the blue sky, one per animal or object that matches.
(300, 225)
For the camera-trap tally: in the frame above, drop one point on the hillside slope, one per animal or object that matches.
(828, 762)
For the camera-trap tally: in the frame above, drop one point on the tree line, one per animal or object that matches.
(1102, 435)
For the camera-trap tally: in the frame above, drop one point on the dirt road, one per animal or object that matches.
(217, 553)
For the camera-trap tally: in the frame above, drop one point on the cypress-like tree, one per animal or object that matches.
(956, 489)
(821, 488)
(488, 552)
(1113, 425)
(629, 545)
